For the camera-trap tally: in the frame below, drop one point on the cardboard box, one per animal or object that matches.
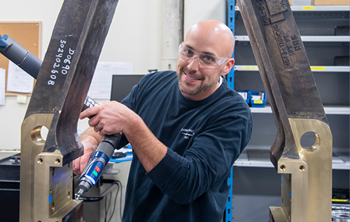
(331, 2)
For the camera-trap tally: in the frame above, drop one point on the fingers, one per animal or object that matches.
(80, 163)
(92, 111)
(83, 165)
(89, 112)
(108, 118)
(76, 166)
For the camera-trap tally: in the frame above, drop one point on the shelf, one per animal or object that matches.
(320, 8)
(245, 38)
(259, 155)
(316, 8)
(313, 68)
(261, 158)
(330, 110)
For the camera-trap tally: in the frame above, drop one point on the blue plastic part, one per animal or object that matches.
(50, 198)
(92, 175)
(259, 103)
(102, 155)
(123, 159)
(3, 43)
(254, 103)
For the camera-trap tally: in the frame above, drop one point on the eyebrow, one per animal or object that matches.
(206, 53)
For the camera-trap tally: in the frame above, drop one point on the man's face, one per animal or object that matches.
(195, 81)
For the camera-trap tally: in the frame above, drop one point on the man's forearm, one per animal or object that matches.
(147, 147)
(89, 135)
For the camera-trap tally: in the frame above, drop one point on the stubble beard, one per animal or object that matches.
(199, 89)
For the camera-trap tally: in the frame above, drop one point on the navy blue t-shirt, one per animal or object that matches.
(204, 138)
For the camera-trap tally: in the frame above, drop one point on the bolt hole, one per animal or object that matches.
(310, 141)
(283, 167)
(302, 168)
(40, 161)
(39, 134)
(57, 161)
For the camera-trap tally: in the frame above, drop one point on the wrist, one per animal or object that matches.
(134, 125)
(90, 139)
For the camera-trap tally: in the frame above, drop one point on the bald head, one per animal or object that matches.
(215, 33)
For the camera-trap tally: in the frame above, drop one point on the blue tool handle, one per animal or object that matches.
(103, 152)
(97, 162)
(94, 172)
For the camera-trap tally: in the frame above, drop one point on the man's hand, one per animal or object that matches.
(90, 140)
(114, 117)
(109, 117)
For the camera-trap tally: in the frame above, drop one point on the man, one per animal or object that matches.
(186, 129)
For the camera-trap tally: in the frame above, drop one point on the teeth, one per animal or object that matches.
(190, 77)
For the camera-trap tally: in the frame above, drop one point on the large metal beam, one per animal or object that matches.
(297, 108)
(56, 102)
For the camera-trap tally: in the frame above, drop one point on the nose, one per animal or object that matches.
(193, 63)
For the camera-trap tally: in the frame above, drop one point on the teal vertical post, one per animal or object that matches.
(231, 25)
(230, 80)
(228, 211)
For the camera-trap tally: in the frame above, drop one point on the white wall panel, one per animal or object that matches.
(198, 10)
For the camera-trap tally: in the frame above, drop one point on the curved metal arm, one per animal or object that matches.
(297, 108)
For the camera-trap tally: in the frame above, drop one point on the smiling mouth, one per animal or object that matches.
(190, 79)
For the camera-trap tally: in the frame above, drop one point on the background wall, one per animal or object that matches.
(134, 36)
(195, 11)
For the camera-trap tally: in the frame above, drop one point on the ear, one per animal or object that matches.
(228, 66)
